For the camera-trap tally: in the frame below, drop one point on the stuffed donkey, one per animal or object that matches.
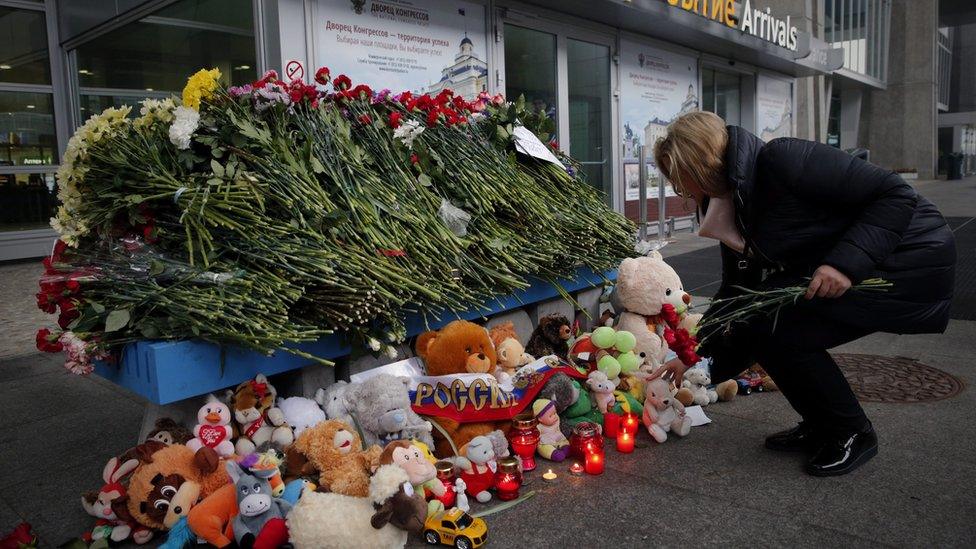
(260, 516)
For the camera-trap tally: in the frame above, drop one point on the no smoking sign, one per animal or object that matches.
(294, 70)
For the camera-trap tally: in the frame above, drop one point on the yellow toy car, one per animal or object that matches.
(457, 528)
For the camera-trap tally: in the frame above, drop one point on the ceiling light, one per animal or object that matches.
(5, 67)
(149, 89)
(84, 71)
(242, 67)
(30, 106)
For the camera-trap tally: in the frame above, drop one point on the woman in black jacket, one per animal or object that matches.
(793, 212)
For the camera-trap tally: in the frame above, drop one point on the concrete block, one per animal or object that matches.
(520, 318)
(589, 301)
(553, 306)
(368, 362)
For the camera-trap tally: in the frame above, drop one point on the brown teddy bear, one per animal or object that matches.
(334, 451)
(458, 348)
(550, 337)
(511, 354)
(168, 431)
(170, 480)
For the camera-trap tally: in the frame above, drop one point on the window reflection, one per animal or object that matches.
(530, 69)
(29, 201)
(23, 55)
(27, 136)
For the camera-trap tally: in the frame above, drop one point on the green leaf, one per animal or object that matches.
(498, 243)
(134, 198)
(155, 268)
(116, 320)
(424, 180)
(97, 307)
(217, 168)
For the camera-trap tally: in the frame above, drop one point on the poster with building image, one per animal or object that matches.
(657, 86)
(774, 107)
(415, 45)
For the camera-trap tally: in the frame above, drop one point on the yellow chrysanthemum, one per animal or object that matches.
(200, 86)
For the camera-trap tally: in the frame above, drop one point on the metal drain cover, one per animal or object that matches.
(896, 379)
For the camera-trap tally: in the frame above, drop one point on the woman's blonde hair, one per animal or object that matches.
(694, 149)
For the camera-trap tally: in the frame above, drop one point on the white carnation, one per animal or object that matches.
(186, 122)
(408, 131)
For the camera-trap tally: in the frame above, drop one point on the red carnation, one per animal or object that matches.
(358, 91)
(395, 120)
(45, 304)
(73, 286)
(69, 312)
(432, 118)
(342, 82)
(59, 248)
(270, 76)
(48, 343)
(414, 158)
(322, 76)
(404, 97)
(365, 119)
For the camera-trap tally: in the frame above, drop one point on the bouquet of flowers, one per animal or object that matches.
(274, 213)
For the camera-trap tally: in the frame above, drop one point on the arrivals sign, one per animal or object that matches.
(756, 21)
(413, 45)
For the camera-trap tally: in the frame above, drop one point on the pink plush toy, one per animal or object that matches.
(213, 428)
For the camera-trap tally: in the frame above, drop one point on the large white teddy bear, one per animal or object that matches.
(644, 284)
(697, 381)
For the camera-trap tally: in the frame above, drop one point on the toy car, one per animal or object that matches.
(457, 528)
(749, 382)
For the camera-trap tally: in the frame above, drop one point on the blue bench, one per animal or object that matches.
(166, 372)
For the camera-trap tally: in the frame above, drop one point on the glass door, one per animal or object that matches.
(722, 94)
(567, 73)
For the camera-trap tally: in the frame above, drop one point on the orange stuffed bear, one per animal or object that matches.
(458, 348)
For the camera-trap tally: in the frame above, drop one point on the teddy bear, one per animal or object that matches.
(213, 428)
(478, 467)
(697, 381)
(662, 412)
(170, 480)
(602, 388)
(301, 413)
(553, 444)
(509, 350)
(333, 402)
(459, 347)
(334, 451)
(550, 337)
(381, 408)
(168, 431)
(644, 285)
(258, 420)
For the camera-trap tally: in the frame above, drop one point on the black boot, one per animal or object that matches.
(840, 455)
(804, 437)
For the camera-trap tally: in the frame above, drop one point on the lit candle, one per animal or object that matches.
(576, 468)
(524, 438)
(508, 479)
(594, 463)
(629, 423)
(549, 475)
(625, 442)
(611, 424)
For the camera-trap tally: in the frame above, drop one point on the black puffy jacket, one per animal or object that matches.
(801, 204)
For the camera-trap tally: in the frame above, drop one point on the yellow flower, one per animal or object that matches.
(200, 86)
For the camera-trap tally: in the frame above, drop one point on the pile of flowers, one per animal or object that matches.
(278, 212)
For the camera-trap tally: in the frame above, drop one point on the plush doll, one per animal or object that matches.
(168, 431)
(553, 444)
(478, 469)
(301, 413)
(268, 465)
(602, 388)
(457, 348)
(334, 452)
(662, 412)
(511, 354)
(213, 428)
(381, 408)
(113, 522)
(550, 337)
(572, 402)
(260, 521)
(644, 285)
(382, 519)
(697, 381)
(333, 402)
(170, 480)
(258, 421)
(422, 473)
(212, 520)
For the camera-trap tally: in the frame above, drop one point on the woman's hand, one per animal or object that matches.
(673, 369)
(828, 282)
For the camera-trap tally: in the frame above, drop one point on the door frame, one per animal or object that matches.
(563, 28)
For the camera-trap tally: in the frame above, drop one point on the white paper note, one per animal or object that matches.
(526, 142)
(697, 415)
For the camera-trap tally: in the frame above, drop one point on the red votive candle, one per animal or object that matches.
(611, 424)
(445, 474)
(524, 438)
(594, 463)
(629, 423)
(508, 480)
(625, 442)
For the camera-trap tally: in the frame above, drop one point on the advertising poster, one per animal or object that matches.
(656, 87)
(414, 45)
(774, 106)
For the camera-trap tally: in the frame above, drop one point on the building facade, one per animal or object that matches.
(611, 73)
